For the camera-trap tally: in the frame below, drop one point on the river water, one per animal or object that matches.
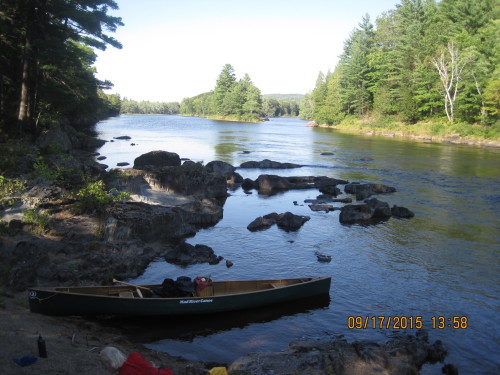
(442, 263)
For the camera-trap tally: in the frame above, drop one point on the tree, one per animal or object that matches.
(356, 73)
(36, 32)
(225, 82)
(450, 64)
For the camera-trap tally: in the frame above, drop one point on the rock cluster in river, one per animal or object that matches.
(171, 200)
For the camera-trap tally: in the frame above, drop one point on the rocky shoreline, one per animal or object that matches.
(169, 201)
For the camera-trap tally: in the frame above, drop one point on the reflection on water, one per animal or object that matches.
(442, 262)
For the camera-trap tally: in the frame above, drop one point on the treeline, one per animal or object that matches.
(277, 108)
(423, 60)
(230, 99)
(134, 107)
(46, 58)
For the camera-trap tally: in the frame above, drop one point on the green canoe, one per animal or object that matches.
(128, 300)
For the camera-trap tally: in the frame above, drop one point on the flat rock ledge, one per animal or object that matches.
(403, 354)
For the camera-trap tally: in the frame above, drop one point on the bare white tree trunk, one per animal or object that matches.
(450, 65)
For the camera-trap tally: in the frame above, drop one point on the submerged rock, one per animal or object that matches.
(269, 164)
(363, 191)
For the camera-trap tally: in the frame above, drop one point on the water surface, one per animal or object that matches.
(443, 262)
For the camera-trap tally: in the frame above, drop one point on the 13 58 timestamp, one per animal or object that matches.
(407, 322)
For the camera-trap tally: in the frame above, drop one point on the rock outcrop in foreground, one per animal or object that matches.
(404, 354)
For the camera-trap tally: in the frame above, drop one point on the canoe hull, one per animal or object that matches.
(60, 301)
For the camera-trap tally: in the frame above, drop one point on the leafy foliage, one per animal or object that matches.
(39, 219)
(8, 188)
(424, 60)
(129, 106)
(94, 197)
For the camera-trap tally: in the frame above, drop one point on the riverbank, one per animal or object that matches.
(422, 132)
(73, 343)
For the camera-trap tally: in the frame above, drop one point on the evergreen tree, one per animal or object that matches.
(44, 50)
(225, 83)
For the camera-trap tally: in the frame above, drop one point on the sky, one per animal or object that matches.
(174, 49)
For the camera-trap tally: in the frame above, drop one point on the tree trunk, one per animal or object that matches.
(25, 101)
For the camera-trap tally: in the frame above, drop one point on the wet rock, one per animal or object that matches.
(249, 184)
(123, 137)
(291, 222)
(355, 213)
(157, 159)
(286, 221)
(263, 222)
(269, 184)
(323, 257)
(100, 158)
(122, 164)
(185, 254)
(220, 167)
(363, 191)
(401, 212)
(380, 209)
(322, 207)
(404, 354)
(269, 164)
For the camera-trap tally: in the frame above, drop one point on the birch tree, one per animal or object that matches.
(450, 64)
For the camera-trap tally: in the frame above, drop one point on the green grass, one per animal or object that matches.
(435, 128)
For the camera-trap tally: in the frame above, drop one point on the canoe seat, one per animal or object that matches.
(126, 294)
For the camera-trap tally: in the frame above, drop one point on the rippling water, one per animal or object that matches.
(443, 262)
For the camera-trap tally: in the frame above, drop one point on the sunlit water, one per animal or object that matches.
(443, 262)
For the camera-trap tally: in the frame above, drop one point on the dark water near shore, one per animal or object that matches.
(443, 262)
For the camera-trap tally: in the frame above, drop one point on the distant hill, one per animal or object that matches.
(285, 97)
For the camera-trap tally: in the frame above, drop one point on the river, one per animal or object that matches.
(441, 263)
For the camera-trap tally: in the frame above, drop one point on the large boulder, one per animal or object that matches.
(355, 213)
(291, 222)
(157, 159)
(185, 254)
(220, 167)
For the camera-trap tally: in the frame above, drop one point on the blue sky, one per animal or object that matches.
(176, 49)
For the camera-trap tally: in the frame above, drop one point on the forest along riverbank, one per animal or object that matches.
(88, 248)
(452, 139)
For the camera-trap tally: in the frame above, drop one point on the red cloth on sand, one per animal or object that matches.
(136, 364)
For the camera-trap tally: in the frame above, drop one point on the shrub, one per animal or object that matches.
(42, 169)
(94, 196)
(9, 187)
(40, 220)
